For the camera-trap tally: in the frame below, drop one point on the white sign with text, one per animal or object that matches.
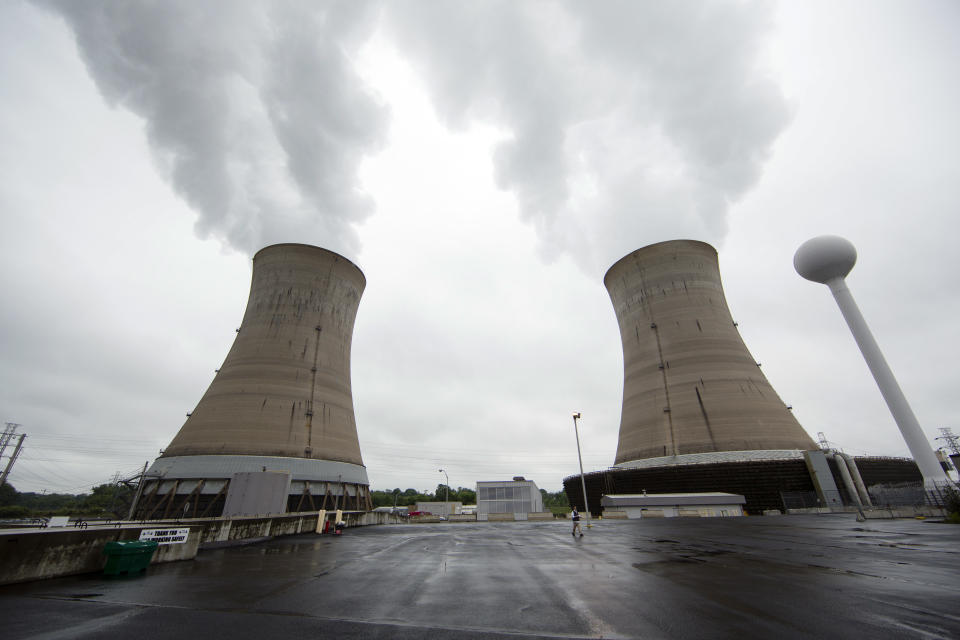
(165, 536)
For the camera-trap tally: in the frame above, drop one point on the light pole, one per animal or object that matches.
(583, 485)
(446, 487)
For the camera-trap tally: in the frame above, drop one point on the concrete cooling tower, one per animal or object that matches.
(698, 415)
(690, 387)
(281, 402)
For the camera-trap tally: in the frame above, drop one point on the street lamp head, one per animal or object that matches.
(576, 415)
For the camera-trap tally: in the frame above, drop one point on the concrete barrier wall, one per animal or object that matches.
(219, 530)
(47, 553)
(424, 519)
(903, 512)
(878, 513)
(34, 555)
(540, 515)
(499, 517)
(461, 517)
(248, 528)
(614, 515)
(512, 517)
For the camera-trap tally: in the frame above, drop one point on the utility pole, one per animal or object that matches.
(136, 497)
(446, 487)
(583, 484)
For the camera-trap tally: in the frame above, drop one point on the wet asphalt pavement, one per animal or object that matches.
(773, 577)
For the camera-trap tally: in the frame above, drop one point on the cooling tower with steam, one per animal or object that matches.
(281, 401)
(691, 390)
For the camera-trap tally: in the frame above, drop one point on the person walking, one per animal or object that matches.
(575, 516)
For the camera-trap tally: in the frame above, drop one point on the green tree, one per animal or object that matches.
(555, 502)
(952, 505)
(107, 500)
(49, 503)
(14, 511)
(8, 495)
(381, 499)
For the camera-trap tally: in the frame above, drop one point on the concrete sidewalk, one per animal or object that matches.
(788, 577)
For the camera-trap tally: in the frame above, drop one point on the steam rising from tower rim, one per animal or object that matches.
(663, 243)
(311, 246)
(262, 116)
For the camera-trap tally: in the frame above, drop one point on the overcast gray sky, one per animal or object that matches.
(483, 164)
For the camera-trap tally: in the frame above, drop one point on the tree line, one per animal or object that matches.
(410, 497)
(104, 501)
(113, 501)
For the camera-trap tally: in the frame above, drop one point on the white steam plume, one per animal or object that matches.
(630, 122)
(252, 109)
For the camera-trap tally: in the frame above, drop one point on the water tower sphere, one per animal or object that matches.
(825, 258)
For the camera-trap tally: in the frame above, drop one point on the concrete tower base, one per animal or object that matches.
(197, 486)
(766, 484)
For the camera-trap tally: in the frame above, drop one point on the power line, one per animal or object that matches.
(63, 436)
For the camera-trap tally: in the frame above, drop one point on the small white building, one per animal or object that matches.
(671, 505)
(439, 508)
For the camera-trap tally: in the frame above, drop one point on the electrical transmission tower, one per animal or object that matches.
(6, 438)
(952, 441)
(823, 442)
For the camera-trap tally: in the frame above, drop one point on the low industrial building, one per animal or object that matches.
(519, 497)
(672, 505)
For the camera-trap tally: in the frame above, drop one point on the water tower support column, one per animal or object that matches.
(828, 260)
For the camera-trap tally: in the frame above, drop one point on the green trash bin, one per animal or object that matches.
(129, 557)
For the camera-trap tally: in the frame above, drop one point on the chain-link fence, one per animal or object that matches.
(891, 495)
(945, 496)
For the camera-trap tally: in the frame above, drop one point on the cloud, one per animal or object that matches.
(253, 111)
(629, 123)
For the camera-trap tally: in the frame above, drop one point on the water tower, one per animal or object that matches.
(828, 260)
